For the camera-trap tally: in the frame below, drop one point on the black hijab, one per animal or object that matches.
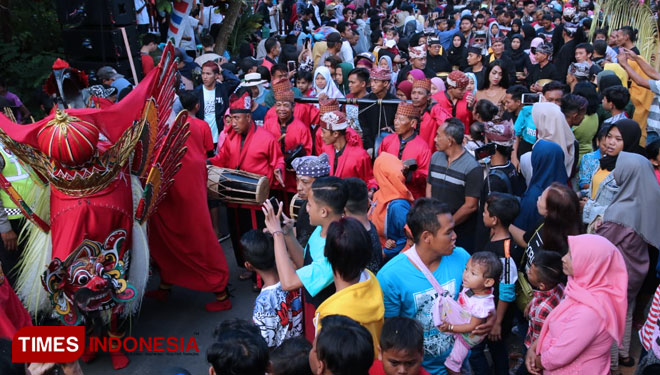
(457, 55)
(530, 34)
(512, 33)
(631, 133)
(518, 56)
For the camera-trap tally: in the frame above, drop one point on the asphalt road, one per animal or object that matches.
(182, 316)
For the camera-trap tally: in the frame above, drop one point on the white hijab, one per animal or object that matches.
(330, 88)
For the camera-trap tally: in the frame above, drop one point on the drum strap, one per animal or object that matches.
(245, 147)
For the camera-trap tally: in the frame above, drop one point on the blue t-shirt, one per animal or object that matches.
(317, 275)
(524, 126)
(408, 293)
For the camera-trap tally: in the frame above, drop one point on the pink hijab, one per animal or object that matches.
(599, 280)
(438, 83)
(417, 74)
(535, 43)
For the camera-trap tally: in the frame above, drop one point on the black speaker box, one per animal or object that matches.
(76, 13)
(99, 44)
(122, 66)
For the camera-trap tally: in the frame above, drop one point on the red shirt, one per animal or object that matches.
(353, 161)
(431, 120)
(295, 134)
(147, 63)
(181, 237)
(377, 369)
(260, 153)
(417, 149)
(460, 110)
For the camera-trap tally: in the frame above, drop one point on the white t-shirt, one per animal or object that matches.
(189, 31)
(211, 17)
(209, 112)
(346, 52)
(142, 17)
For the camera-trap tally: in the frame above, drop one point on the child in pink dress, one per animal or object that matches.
(477, 301)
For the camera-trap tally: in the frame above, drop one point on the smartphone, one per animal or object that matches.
(275, 202)
(528, 99)
(485, 151)
(291, 65)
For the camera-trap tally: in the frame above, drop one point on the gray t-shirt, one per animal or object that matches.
(451, 184)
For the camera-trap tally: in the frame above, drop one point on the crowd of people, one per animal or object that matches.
(460, 187)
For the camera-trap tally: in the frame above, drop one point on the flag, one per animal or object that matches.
(179, 20)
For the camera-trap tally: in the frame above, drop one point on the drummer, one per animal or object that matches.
(249, 148)
(406, 144)
(308, 169)
(346, 157)
(292, 134)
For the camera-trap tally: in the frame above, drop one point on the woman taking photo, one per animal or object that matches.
(577, 335)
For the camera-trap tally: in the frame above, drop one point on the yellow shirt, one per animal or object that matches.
(596, 180)
(362, 302)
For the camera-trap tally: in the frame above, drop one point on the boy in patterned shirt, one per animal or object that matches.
(547, 278)
(277, 313)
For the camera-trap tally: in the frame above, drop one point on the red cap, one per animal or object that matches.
(240, 104)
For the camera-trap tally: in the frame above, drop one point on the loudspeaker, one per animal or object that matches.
(122, 66)
(99, 44)
(76, 13)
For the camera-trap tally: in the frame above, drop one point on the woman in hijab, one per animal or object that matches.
(547, 160)
(437, 84)
(532, 49)
(385, 62)
(416, 74)
(578, 333)
(551, 125)
(324, 85)
(516, 28)
(404, 90)
(341, 77)
(471, 89)
(457, 52)
(623, 135)
(631, 224)
(391, 204)
(494, 31)
(529, 34)
(517, 53)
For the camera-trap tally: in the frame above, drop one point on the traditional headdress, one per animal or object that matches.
(334, 121)
(312, 166)
(240, 104)
(457, 79)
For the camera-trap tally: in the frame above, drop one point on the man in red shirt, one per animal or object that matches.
(347, 157)
(406, 144)
(149, 45)
(293, 136)
(181, 237)
(421, 99)
(249, 148)
(453, 100)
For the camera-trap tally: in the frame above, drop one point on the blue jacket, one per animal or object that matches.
(222, 92)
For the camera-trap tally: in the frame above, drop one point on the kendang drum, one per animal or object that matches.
(235, 186)
(295, 205)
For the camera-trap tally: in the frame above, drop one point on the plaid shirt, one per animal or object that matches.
(543, 302)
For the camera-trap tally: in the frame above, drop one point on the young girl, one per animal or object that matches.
(324, 86)
(476, 298)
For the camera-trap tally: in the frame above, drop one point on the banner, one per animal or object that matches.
(179, 20)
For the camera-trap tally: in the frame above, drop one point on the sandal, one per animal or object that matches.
(245, 275)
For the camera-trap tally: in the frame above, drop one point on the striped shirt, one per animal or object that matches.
(653, 120)
(646, 333)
